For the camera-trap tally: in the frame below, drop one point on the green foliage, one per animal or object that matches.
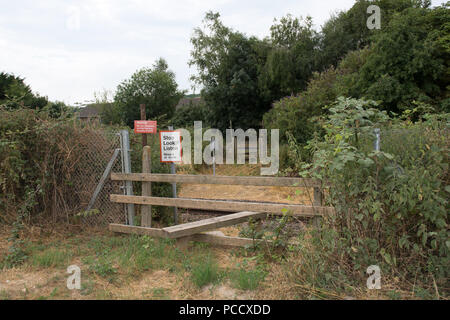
(405, 68)
(16, 251)
(204, 271)
(52, 258)
(245, 278)
(292, 58)
(227, 63)
(102, 266)
(347, 31)
(296, 114)
(186, 115)
(14, 93)
(408, 61)
(38, 158)
(391, 205)
(275, 235)
(155, 87)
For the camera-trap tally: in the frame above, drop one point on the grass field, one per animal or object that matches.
(137, 267)
(127, 267)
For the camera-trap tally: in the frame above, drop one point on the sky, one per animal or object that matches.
(69, 50)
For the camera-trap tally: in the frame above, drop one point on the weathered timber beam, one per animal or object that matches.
(191, 228)
(208, 179)
(222, 205)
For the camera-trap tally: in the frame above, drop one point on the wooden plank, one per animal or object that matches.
(208, 179)
(152, 232)
(190, 228)
(207, 237)
(229, 206)
(146, 211)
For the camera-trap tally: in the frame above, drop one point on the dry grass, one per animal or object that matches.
(167, 281)
(30, 281)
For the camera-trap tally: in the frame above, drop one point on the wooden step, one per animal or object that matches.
(144, 231)
(187, 229)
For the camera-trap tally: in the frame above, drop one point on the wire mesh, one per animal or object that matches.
(99, 147)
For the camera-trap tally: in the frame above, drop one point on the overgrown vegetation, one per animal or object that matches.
(391, 205)
(406, 60)
(327, 91)
(39, 158)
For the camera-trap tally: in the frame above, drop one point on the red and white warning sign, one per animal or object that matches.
(144, 126)
(170, 146)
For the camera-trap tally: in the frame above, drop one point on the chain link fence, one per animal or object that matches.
(97, 152)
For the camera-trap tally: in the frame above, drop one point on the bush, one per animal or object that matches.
(186, 115)
(391, 205)
(297, 114)
(38, 157)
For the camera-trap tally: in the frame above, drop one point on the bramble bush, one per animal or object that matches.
(391, 205)
(40, 156)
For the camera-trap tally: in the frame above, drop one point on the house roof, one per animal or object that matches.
(89, 112)
(188, 101)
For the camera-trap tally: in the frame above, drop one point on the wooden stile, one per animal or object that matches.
(209, 237)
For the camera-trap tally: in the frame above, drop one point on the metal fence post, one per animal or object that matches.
(174, 188)
(376, 146)
(124, 135)
(213, 145)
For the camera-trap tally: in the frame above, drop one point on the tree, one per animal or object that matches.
(294, 114)
(347, 31)
(408, 62)
(14, 93)
(155, 87)
(186, 115)
(292, 58)
(228, 67)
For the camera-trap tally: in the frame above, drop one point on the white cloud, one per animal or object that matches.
(113, 38)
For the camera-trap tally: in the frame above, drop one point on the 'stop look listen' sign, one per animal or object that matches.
(144, 126)
(170, 144)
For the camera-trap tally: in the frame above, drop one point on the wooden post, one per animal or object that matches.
(143, 117)
(146, 210)
(318, 199)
